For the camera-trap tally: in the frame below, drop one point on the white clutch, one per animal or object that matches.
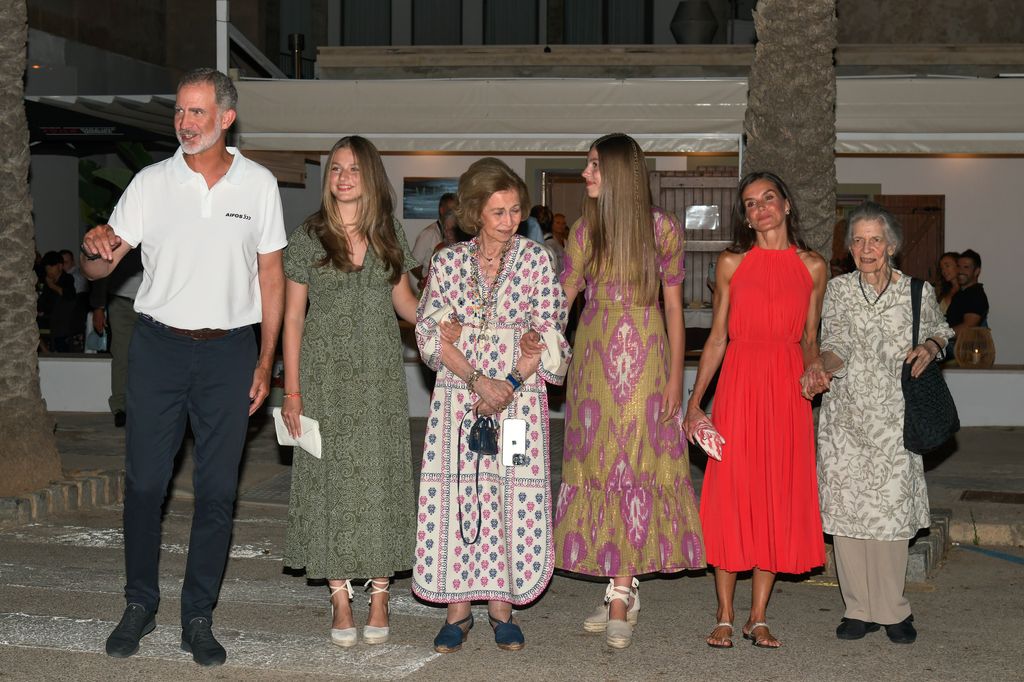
(308, 441)
(708, 437)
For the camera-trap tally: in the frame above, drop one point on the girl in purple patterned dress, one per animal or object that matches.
(484, 528)
(626, 505)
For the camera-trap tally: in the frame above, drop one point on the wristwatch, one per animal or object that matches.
(86, 254)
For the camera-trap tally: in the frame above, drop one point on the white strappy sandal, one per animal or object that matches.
(598, 621)
(619, 633)
(345, 637)
(371, 633)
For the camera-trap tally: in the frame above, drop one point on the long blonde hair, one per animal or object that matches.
(376, 220)
(621, 227)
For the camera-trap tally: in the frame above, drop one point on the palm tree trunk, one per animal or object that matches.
(28, 450)
(790, 122)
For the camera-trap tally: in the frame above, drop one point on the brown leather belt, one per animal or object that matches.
(205, 334)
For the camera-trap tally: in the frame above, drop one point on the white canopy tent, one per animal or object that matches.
(873, 115)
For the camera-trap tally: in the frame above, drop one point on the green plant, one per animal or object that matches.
(100, 187)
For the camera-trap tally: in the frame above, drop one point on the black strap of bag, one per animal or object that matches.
(930, 416)
(483, 441)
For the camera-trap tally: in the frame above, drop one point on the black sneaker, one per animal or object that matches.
(197, 638)
(902, 632)
(135, 624)
(851, 628)
(120, 418)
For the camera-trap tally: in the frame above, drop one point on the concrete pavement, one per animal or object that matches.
(61, 578)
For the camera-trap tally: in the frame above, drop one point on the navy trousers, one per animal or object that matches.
(173, 379)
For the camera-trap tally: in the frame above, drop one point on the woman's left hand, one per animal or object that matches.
(920, 356)
(671, 401)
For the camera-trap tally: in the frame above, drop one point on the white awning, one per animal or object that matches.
(874, 115)
(514, 115)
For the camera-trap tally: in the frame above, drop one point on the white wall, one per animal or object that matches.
(981, 214)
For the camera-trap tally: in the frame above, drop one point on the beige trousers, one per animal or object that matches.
(872, 575)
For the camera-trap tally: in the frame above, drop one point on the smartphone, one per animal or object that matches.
(513, 442)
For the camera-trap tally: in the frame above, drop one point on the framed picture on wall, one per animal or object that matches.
(420, 196)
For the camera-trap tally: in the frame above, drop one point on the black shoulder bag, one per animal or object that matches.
(930, 417)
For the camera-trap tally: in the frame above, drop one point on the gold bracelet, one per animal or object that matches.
(471, 381)
(293, 395)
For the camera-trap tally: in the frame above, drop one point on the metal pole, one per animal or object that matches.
(296, 43)
(223, 44)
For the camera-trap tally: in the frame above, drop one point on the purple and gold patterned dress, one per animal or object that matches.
(488, 538)
(626, 505)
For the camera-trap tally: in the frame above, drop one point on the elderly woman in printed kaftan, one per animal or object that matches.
(872, 489)
(487, 536)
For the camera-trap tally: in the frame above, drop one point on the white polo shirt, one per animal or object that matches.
(199, 244)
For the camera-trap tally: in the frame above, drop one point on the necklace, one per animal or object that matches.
(485, 301)
(860, 281)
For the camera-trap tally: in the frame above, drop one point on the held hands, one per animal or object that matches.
(291, 410)
(814, 380)
(495, 396)
(101, 241)
(530, 345)
(451, 330)
(920, 356)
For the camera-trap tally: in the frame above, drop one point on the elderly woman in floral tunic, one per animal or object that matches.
(872, 489)
(484, 527)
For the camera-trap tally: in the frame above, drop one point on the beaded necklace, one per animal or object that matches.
(860, 281)
(485, 303)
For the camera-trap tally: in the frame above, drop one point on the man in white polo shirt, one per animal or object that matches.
(210, 228)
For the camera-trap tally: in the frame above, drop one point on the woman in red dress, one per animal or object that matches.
(759, 504)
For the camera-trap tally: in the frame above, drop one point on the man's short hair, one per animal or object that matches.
(445, 198)
(227, 95)
(973, 255)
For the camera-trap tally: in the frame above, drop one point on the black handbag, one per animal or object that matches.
(930, 417)
(483, 436)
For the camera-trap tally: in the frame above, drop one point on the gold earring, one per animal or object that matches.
(787, 211)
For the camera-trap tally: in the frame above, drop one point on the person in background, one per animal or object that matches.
(484, 530)
(626, 505)
(759, 504)
(555, 243)
(429, 237)
(113, 299)
(535, 224)
(58, 306)
(947, 285)
(872, 489)
(350, 512)
(211, 230)
(969, 305)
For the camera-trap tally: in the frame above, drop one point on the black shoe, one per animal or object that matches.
(902, 632)
(851, 628)
(197, 638)
(120, 418)
(135, 624)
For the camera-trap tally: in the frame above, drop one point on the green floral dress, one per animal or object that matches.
(350, 514)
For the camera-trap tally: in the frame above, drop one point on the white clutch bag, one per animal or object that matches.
(308, 441)
(708, 437)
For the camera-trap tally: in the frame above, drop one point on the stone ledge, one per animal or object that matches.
(927, 549)
(79, 489)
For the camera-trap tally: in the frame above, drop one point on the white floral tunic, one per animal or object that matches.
(512, 560)
(870, 486)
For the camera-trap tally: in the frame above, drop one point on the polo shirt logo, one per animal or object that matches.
(240, 216)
